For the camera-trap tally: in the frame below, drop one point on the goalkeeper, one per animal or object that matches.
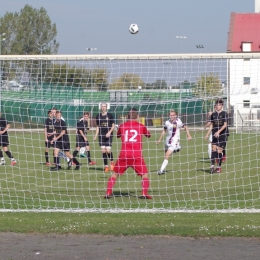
(131, 155)
(172, 143)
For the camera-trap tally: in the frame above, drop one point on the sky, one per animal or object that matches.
(103, 24)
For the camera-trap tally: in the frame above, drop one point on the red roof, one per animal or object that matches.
(244, 28)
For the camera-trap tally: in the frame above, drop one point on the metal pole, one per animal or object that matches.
(180, 90)
(41, 49)
(1, 39)
(91, 49)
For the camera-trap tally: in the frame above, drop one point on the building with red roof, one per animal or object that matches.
(244, 33)
(244, 74)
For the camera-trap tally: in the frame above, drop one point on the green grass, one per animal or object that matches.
(130, 224)
(187, 184)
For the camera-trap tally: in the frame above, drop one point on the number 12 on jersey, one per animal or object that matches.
(130, 136)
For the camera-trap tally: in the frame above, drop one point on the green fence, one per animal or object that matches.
(29, 107)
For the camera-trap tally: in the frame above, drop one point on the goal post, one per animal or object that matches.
(154, 84)
(247, 117)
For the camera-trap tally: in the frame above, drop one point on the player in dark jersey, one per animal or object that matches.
(61, 153)
(48, 134)
(4, 141)
(105, 127)
(218, 127)
(81, 137)
(131, 133)
(61, 142)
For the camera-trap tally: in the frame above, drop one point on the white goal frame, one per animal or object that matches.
(239, 123)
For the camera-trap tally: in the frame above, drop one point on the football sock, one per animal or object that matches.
(110, 184)
(224, 152)
(209, 150)
(104, 158)
(8, 153)
(214, 156)
(55, 160)
(47, 156)
(145, 185)
(58, 161)
(75, 161)
(75, 153)
(219, 159)
(164, 164)
(111, 156)
(1, 154)
(88, 155)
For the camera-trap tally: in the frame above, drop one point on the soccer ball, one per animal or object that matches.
(116, 127)
(133, 28)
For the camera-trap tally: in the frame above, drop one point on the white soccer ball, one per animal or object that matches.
(116, 127)
(133, 28)
(139, 87)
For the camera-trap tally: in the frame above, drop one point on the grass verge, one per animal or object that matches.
(129, 224)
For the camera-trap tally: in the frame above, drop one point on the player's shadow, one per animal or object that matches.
(97, 168)
(204, 159)
(203, 170)
(163, 173)
(122, 194)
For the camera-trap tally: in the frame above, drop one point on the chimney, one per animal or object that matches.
(257, 6)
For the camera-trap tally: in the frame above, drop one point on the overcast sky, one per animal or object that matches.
(103, 24)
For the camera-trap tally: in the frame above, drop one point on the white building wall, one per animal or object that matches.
(240, 93)
(240, 68)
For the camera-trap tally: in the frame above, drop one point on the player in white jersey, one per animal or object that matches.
(172, 144)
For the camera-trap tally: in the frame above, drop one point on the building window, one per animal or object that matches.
(246, 80)
(246, 103)
(246, 46)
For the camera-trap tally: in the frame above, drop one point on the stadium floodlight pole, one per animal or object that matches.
(91, 49)
(1, 40)
(181, 38)
(200, 46)
(168, 65)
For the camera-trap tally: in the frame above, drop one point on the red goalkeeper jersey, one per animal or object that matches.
(131, 133)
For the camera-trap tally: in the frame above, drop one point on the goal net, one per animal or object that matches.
(154, 85)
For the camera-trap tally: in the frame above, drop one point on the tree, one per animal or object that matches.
(127, 81)
(99, 77)
(66, 75)
(29, 31)
(208, 87)
(158, 84)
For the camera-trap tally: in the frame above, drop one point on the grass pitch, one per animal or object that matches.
(186, 185)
